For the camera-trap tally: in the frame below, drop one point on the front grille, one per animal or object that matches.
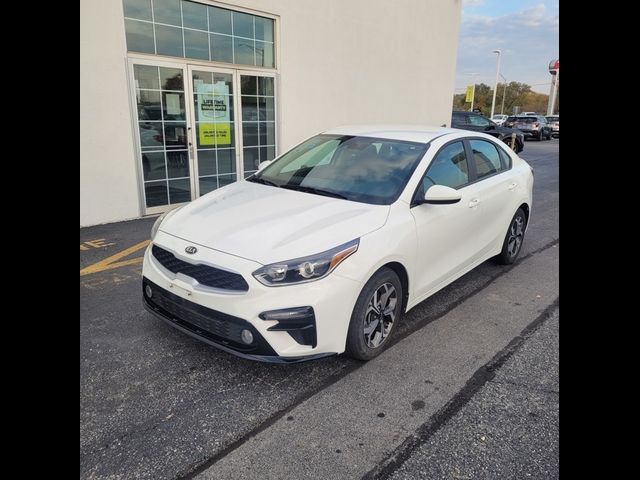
(204, 274)
(215, 326)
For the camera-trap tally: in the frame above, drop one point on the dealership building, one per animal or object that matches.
(180, 97)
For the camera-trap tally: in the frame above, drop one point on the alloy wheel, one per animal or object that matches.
(380, 315)
(516, 234)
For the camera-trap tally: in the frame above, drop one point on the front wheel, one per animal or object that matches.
(377, 311)
(513, 239)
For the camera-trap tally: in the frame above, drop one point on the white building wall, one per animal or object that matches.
(341, 62)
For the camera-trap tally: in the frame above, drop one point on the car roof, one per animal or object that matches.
(409, 133)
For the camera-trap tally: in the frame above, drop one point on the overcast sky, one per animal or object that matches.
(525, 30)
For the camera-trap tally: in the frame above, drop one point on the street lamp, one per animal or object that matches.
(504, 93)
(493, 103)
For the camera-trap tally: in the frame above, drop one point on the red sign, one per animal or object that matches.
(554, 66)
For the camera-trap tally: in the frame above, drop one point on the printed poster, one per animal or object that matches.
(213, 114)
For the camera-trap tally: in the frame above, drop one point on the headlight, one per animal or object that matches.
(156, 225)
(305, 269)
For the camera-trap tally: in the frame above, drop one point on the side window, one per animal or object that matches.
(449, 168)
(478, 121)
(457, 119)
(486, 158)
(506, 159)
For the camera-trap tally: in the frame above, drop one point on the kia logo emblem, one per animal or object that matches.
(191, 249)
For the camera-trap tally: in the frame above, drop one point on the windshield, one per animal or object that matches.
(553, 119)
(526, 119)
(362, 169)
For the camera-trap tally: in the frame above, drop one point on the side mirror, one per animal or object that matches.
(264, 164)
(442, 195)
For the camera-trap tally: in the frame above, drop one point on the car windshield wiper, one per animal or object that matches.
(263, 181)
(317, 191)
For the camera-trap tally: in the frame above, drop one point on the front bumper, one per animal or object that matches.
(218, 317)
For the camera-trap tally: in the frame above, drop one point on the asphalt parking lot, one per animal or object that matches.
(468, 389)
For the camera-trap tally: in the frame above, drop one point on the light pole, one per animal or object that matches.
(493, 103)
(504, 94)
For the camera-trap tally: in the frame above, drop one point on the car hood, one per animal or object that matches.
(269, 224)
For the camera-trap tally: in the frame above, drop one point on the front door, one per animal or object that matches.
(198, 128)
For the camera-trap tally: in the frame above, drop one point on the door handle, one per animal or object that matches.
(474, 202)
(513, 185)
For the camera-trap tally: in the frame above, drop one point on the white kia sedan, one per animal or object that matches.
(323, 250)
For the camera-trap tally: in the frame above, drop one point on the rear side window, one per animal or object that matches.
(449, 168)
(486, 158)
(478, 121)
(457, 119)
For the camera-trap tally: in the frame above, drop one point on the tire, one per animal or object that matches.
(541, 136)
(513, 238)
(368, 335)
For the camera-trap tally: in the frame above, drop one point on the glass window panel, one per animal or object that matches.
(448, 168)
(251, 159)
(223, 78)
(167, 11)
(248, 174)
(171, 78)
(243, 51)
(225, 180)
(175, 135)
(226, 160)
(249, 108)
(271, 152)
(173, 106)
(208, 184)
(248, 85)
(153, 166)
(169, 41)
(266, 109)
(486, 158)
(148, 105)
(200, 78)
(140, 9)
(267, 133)
(242, 25)
(207, 162)
(146, 76)
(151, 135)
(196, 44)
(179, 191)
(139, 36)
(221, 48)
(194, 15)
(177, 164)
(264, 54)
(219, 20)
(265, 86)
(250, 133)
(155, 193)
(264, 29)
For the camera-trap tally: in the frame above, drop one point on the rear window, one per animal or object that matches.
(553, 119)
(526, 119)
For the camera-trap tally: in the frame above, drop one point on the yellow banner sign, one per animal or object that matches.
(215, 134)
(469, 94)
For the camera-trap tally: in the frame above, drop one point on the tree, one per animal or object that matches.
(517, 94)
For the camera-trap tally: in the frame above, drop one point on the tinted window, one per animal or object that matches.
(458, 119)
(486, 158)
(478, 121)
(448, 168)
(362, 169)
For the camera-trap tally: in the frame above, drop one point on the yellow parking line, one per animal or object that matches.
(110, 262)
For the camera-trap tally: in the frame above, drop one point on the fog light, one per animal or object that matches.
(246, 336)
(148, 291)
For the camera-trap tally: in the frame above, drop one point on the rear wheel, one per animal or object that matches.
(377, 310)
(513, 239)
(541, 135)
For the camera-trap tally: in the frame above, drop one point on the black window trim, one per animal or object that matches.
(473, 173)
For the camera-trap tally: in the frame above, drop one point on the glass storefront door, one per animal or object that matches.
(199, 128)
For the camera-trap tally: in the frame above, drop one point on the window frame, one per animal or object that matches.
(473, 173)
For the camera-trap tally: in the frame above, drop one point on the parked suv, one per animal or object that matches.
(554, 121)
(534, 126)
(478, 123)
